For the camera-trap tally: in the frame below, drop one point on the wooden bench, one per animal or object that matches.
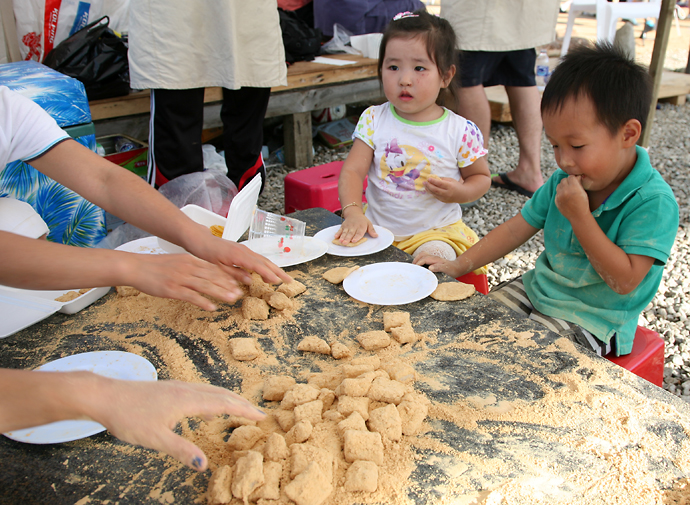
(310, 86)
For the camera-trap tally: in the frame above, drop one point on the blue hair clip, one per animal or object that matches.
(403, 15)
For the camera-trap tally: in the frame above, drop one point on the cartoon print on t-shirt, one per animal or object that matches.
(404, 168)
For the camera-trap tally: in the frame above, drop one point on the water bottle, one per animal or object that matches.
(542, 70)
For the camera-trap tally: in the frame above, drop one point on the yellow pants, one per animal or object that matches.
(458, 235)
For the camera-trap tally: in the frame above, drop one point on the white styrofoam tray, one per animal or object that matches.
(20, 308)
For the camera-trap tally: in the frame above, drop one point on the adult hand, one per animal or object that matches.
(145, 413)
(355, 225)
(437, 264)
(182, 277)
(571, 198)
(446, 189)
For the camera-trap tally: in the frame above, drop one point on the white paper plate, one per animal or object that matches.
(390, 283)
(113, 364)
(371, 246)
(302, 249)
(146, 245)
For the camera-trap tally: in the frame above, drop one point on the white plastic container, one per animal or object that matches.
(198, 215)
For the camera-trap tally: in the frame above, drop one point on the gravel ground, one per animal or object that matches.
(670, 153)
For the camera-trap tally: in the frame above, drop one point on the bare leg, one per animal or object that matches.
(473, 104)
(524, 107)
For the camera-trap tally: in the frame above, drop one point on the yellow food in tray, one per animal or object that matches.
(217, 230)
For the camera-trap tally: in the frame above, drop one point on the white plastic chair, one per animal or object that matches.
(608, 14)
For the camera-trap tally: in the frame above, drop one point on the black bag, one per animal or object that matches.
(97, 57)
(301, 41)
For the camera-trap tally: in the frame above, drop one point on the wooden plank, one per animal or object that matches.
(298, 140)
(673, 88)
(302, 74)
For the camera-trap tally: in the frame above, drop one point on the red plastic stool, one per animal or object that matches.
(479, 281)
(647, 357)
(314, 187)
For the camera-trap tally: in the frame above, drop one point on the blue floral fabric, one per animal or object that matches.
(72, 219)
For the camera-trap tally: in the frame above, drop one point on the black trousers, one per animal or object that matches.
(177, 122)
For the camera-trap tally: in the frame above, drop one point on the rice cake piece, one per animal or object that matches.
(353, 422)
(127, 291)
(285, 418)
(249, 475)
(278, 301)
(310, 411)
(244, 349)
(362, 476)
(276, 448)
(374, 340)
(337, 241)
(292, 289)
(258, 287)
(314, 344)
(303, 454)
(254, 308)
(275, 387)
(386, 421)
(387, 391)
(349, 404)
(299, 433)
(355, 387)
(327, 397)
(329, 380)
(373, 361)
(351, 370)
(362, 445)
(270, 490)
(452, 291)
(220, 485)
(338, 274)
(394, 319)
(311, 487)
(404, 334)
(299, 394)
(413, 410)
(340, 351)
(401, 372)
(244, 438)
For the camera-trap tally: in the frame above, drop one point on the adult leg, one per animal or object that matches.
(175, 134)
(525, 109)
(243, 114)
(473, 104)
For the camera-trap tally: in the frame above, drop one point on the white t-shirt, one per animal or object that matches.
(406, 154)
(26, 130)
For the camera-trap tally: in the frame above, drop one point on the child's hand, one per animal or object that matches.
(446, 190)
(437, 264)
(571, 198)
(354, 227)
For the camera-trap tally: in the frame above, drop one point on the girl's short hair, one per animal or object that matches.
(438, 36)
(619, 88)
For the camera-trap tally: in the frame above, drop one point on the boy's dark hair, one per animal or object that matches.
(619, 88)
(438, 36)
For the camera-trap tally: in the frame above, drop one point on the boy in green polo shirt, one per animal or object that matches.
(609, 219)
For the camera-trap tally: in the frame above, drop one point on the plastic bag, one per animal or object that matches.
(42, 24)
(95, 56)
(340, 43)
(210, 189)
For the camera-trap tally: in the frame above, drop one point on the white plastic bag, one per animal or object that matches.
(43, 24)
(340, 42)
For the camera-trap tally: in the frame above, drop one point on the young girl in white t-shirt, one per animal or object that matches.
(422, 160)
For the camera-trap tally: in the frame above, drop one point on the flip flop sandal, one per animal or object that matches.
(510, 185)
